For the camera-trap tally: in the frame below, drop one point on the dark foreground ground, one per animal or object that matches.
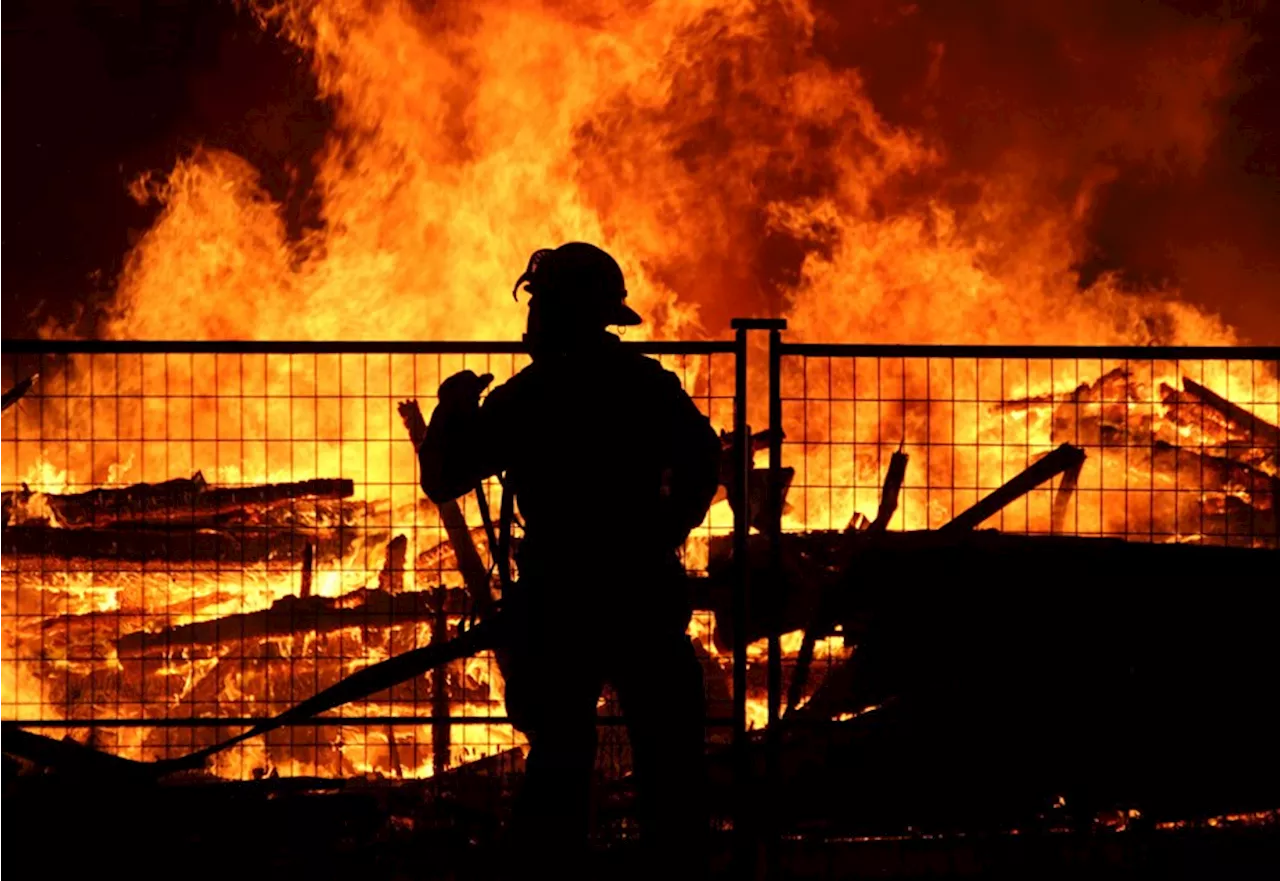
(373, 830)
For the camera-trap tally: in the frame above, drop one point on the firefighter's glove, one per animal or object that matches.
(460, 393)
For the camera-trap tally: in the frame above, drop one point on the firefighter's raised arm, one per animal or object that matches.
(457, 450)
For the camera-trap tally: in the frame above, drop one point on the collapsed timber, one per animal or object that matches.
(992, 671)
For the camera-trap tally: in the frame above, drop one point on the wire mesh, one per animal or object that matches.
(1173, 446)
(1019, 462)
(197, 537)
(1177, 447)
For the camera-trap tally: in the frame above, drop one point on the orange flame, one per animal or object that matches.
(731, 165)
(687, 138)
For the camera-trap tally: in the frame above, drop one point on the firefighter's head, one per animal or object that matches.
(575, 292)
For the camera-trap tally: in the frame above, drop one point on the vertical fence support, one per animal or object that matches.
(755, 829)
(742, 571)
(777, 591)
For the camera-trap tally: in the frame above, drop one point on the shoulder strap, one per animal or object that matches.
(499, 539)
(505, 516)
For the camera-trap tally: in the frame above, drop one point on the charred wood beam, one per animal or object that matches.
(1114, 386)
(824, 616)
(1256, 429)
(858, 522)
(308, 563)
(474, 573)
(1100, 412)
(33, 547)
(391, 578)
(889, 493)
(1046, 468)
(359, 685)
(480, 782)
(181, 499)
(290, 616)
(67, 755)
(1193, 469)
(1190, 411)
(15, 394)
(1062, 497)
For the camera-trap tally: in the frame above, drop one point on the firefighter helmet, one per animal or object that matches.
(581, 280)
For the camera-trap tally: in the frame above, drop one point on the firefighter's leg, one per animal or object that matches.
(660, 687)
(551, 697)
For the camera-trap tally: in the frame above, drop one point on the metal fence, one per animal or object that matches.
(1161, 444)
(976, 499)
(198, 535)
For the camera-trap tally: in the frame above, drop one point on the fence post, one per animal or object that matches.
(773, 505)
(754, 829)
(742, 572)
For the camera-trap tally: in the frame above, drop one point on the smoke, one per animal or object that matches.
(1133, 116)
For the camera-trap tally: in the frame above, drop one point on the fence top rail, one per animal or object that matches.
(302, 347)
(1118, 353)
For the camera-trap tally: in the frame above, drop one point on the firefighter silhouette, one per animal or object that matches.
(611, 466)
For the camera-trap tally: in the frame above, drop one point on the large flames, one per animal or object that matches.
(733, 163)
(730, 161)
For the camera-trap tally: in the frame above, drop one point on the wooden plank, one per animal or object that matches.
(1046, 468)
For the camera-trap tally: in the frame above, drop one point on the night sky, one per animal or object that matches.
(96, 93)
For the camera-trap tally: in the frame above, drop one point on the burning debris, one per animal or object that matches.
(185, 599)
(15, 394)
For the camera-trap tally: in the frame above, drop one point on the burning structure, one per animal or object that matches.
(199, 535)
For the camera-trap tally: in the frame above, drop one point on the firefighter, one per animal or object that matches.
(611, 466)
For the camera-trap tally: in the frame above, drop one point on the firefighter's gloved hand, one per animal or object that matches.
(461, 391)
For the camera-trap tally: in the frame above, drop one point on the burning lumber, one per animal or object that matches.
(1251, 426)
(359, 685)
(67, 755)
(308, 570)
(15, 394)
(32, 548)
(892, 488)
(179, 521)
(1228, 429)
(1093, 413)
(474, 573)
(1062, 497)
(391, 578)
(1192, 469)
(822, 621)
(1049, 466)
(182, 499)
(1112, 386)
(290, 616)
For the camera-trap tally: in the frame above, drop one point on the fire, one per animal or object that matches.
(730, 162)
(694, 141)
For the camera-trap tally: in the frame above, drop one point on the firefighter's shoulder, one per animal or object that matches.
(653, 371)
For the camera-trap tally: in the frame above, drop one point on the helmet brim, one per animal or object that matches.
(623, 315)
